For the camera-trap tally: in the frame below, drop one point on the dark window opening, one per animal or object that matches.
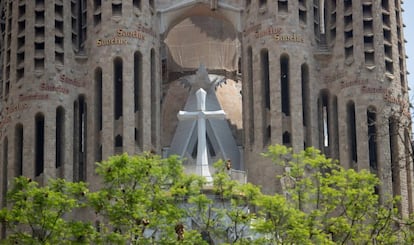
(284, 78)
(282, 6)
(250, 93)
(395, 167)
(97, 14)
(352, 138)
(79, 24)
(264, 55)
(19, 149)
(372, 139)
(137, 4)
(118, 141)
(137, 81)
(39, 143)
(305, 93)
(98, 96)
(154, 103)
(268, 135)
(117, 9)
(118, 85)
(79, 136)
(286, 139)
(60, 136)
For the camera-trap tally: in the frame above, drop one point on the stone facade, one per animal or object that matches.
(83, 80)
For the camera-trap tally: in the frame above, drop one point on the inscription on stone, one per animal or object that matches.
(72, 81)
(27, 97)
(121, 36)
(54, 88)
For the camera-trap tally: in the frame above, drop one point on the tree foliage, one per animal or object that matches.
(145, 199)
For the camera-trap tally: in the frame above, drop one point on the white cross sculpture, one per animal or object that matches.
(201, 115)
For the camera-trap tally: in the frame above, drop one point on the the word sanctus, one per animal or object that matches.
(120, 38)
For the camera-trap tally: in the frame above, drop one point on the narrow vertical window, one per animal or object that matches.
(18, 148)
(372, 139)
(352, 139)
(79, 24)
(60, 137)
(98, 97)
(325, 119)
(97, 13)
(117, 8)
(59, 36)
(138, 97)
(302, 12)
(137, 81)
(284, 79)
(118, 84)
(153, 100)
(250, 93)
(394, 150)
(264, 67)
(98, 112)
(304, 71)
(79, 139)
(39, 143)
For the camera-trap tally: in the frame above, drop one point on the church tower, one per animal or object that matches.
(83, 80)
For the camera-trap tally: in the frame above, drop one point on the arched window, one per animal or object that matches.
(372, 139)
(60, 138)
(250, 93)
(264, 67)
(154, 88)
(284, 83)
(352, 138)
(304, 71)
(79, 139)
(39, 143)
(117, 8)
(324, 122)
(394, 150)
(98, 112)
(18, 149)
(98, 97)
(138, 97)
(79, 24)
(118, 84)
